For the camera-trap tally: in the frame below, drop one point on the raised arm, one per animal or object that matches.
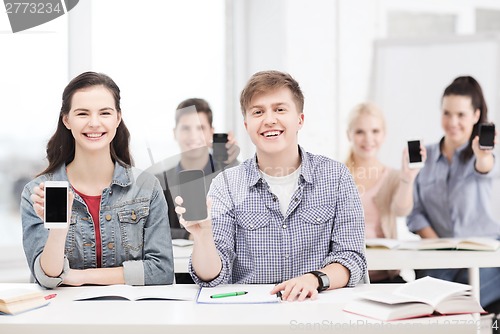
(205, 259)
(44, 248)
(417, 220)
(485, 161)
(402, 201)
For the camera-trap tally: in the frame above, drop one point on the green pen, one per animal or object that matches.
(229, 294)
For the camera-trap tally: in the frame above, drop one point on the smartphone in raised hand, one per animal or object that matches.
(415, 158)
(193, 193)
(486, 136)
(219, 141)
(56, 204)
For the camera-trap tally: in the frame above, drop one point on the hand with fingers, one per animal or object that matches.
(38, 199)
(196, 227)
(409, 174)
(298, 288)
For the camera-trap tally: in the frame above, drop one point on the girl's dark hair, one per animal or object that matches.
(468, 86)
(61, 146)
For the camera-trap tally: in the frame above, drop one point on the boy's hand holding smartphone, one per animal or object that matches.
(225, 148)
(193, 193)
(219, 141)
(192, 204)
(196, 228)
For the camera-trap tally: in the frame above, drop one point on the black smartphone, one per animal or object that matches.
(219, 147)
(486, 136)
(193, 193)
(414, 154)
(56, 204)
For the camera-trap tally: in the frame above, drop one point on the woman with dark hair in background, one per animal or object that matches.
(453, 191)
(118, 231)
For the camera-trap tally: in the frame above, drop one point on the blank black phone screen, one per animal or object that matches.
(219, 147)
(56, 204)
(414, 151)
(486, 135)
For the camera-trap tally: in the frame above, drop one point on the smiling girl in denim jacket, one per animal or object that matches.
(118, 232)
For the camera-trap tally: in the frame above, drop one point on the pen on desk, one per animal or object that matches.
(229, 294)
(50, 296)
(279, 294)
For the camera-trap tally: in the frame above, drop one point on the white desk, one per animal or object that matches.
(382, 259)
(64, 315)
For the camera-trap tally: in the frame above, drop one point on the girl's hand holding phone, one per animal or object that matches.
(39, 205)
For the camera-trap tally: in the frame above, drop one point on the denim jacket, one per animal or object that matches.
(135, 231)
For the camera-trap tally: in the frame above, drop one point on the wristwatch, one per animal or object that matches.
(324, 282)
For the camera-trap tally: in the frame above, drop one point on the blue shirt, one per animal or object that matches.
(134, 226)
(259, 245)
(453, 198)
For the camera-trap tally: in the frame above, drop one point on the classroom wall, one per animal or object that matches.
(328, 47)
(315, 45)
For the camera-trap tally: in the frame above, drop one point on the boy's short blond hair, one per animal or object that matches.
(267, 81)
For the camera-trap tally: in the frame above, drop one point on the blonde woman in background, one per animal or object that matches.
(385, 193)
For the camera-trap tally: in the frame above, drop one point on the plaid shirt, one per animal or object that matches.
(258, 245)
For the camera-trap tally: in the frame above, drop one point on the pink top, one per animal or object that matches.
(373, 224)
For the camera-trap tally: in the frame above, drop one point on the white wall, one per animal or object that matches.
(328, 47)
(292, 36)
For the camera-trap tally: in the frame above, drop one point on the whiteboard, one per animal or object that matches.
(409, 78)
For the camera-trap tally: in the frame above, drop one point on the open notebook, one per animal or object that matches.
(238, 294)
(128, 292)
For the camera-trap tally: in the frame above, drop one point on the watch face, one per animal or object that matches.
(325, 282)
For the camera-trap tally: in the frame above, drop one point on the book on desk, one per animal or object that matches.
(14, 301)
(473, 243)
(422, 297)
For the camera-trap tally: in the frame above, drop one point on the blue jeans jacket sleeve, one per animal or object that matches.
(158, 263)
(34, 237)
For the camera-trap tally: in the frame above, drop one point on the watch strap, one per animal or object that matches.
(324, 282)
